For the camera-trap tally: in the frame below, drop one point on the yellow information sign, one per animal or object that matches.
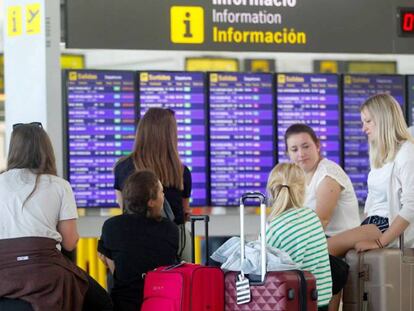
(211, 64)
(259, 65)
(379, 67)
(73, 76)
(14, 21)
(144, 77)
(1, 74)
(281, 79)
(187, 24)
(328, 66)
(33, 19)
(72, 61)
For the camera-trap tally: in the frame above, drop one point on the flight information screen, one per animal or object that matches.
(357, 89)
(241, 135)
(184, 93)
(312, 99)
(410, 101)
(101, 117)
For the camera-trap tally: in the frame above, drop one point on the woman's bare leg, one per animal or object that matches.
(335, 302)
(340, 244)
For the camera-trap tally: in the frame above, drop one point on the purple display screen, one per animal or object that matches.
(410, 86)
(241, 135)
(184, 93)
(100, 122)
(357, 89)
(312, 99)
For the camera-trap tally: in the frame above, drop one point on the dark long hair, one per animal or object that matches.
(30, 148)
(156, 147)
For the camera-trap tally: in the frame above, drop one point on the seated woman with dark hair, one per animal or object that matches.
(38, 219)
(138, 241)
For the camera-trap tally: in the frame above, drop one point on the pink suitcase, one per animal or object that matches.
(185, 287)
(271, 291)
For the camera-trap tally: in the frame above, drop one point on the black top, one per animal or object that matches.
(136, 245)
(174, 196)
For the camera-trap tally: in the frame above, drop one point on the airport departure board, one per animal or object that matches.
(241, 135)
(184, 93)
(312, 99)
(410, 100)
(101, 113)
(357, 89)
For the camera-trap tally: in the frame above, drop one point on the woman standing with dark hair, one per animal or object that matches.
(38, 217)
(137, 241)
(156, 149)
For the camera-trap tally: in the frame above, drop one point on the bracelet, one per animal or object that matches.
(379, 243)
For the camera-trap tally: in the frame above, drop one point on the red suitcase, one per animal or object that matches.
(185, 287)
(280, 290)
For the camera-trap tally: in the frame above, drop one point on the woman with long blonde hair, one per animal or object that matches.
(297, 229)
(389, 208)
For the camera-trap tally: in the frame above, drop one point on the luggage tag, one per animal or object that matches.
(242, 289)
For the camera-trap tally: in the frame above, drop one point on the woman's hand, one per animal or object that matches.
(102, 258)
(186, 209)
(363, 246)
(108, 262)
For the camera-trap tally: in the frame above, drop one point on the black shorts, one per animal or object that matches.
(339, 272)
(381, 222)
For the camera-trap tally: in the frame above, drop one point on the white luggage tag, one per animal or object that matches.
(243, 289)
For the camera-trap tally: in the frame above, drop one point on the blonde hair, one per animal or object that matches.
(285, 188)
(391, 128)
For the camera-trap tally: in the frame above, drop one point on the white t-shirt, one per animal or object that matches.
(346, 214)
(378, 183)
(411, 130)
(52, 201)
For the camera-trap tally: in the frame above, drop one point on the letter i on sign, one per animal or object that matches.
(14, 21)
(187, 24)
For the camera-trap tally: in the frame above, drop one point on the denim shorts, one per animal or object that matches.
(381, 222)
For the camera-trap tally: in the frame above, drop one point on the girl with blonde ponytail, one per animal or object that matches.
(297, 230)
(285, 188)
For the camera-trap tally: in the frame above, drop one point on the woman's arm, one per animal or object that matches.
(108, 262)
(394, 231)
(119, 198)
(69, 232)
(186, 208)
(187, 193)
(327, 196)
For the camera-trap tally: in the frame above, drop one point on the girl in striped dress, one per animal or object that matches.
(296, 229)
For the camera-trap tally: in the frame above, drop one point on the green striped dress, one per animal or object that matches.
(299, 232)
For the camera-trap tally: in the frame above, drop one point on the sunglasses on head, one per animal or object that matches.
(36, 124)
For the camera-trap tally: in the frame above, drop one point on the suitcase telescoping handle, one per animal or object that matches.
(257, 196)
(193, 219)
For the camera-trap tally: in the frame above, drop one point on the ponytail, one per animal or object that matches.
(285, 188)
